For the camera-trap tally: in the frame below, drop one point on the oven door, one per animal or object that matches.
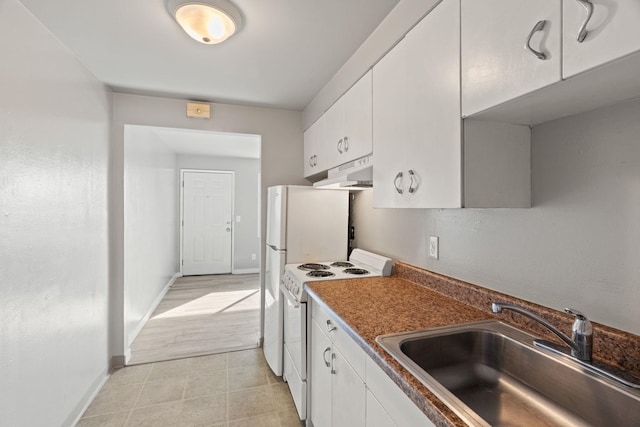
(295, 352)
(295, 331)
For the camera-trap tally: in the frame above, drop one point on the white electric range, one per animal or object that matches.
(361, 264)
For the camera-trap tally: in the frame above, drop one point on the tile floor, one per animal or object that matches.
(235, 389)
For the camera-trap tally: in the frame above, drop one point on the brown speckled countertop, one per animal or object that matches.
(416, 299)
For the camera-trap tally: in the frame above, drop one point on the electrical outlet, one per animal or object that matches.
(434, 251)
(253, 257)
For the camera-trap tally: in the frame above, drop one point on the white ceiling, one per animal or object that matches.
(285, 53)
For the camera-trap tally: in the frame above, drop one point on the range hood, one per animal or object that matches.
(354, 175)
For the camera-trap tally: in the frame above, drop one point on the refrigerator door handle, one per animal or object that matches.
(276, 249)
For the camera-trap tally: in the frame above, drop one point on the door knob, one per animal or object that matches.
(228, 229)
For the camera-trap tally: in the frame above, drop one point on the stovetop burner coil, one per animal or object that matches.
(320, 273)
(358, 271)
(341, 264)
(313, 266)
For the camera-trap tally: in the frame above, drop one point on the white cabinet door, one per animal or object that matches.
(320, 377)
(349, 394)
(611, 32)
(376, 415)
(357, 105)
(416, 116)
(332, 140)
(309, 150)
(496, 66)
(347, 134)
(316, 157)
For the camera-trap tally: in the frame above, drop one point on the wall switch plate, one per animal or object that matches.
(237, 218)
(253, 257)
(434, 250)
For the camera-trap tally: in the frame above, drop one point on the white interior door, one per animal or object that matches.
(207, 214)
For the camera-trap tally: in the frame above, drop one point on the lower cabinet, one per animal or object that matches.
(337, 391)
(348, 389)
(376, 415)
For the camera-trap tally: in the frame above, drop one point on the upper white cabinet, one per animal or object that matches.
(509, 48)
(419, 160)
(348, 124)
(343, 133)
(416, 116)
(316, 158)
(598, 31)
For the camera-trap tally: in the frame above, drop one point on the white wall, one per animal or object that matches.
(54, 137)
(282, 149)
(246, 238)
(150, 224)
(579, 244)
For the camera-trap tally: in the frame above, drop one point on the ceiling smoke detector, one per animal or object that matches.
(207, 21)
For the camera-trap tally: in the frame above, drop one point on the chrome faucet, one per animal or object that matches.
(581, 332)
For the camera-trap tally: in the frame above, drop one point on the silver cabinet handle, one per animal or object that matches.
(588, 6)
(395, 182)
(346, 144)
(339, 146)
(315, 160)
(527, 46)
(333, 368)
(324, 357)
(414, 180)
(311, 161)
(330, 327)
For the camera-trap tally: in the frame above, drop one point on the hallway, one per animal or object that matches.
(201, 315)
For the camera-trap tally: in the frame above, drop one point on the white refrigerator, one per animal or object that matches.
(304, 224)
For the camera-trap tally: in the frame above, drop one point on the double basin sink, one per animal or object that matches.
(491, 374)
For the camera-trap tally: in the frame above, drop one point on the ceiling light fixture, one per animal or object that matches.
(207, 21)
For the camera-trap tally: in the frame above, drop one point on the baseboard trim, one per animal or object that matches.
(146, 317)
(118, 361)
(245, 271)
(87, 399)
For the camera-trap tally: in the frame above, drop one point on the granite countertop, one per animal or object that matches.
(377, 306)
(415, 299)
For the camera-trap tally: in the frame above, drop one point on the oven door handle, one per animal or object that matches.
(290, 298)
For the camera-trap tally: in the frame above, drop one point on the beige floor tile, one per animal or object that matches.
(206, 384)
(204, 411)
(240, 359)
(117, 419)
(130, 375)
(163, 415)
(250, 402)
(213, 362)
(267, 420)
(114, 398)
(282, 396)
(171, 369)
(161, 391)
(248, 377)
(289, 419)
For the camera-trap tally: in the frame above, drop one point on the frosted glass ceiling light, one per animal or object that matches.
(207, 21)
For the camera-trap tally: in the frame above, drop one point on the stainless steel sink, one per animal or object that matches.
(490, 374)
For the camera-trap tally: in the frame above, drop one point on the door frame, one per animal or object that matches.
(233, 211)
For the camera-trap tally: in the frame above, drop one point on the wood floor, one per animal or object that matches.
(202, 315)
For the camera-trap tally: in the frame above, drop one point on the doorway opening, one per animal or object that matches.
(222, 171)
